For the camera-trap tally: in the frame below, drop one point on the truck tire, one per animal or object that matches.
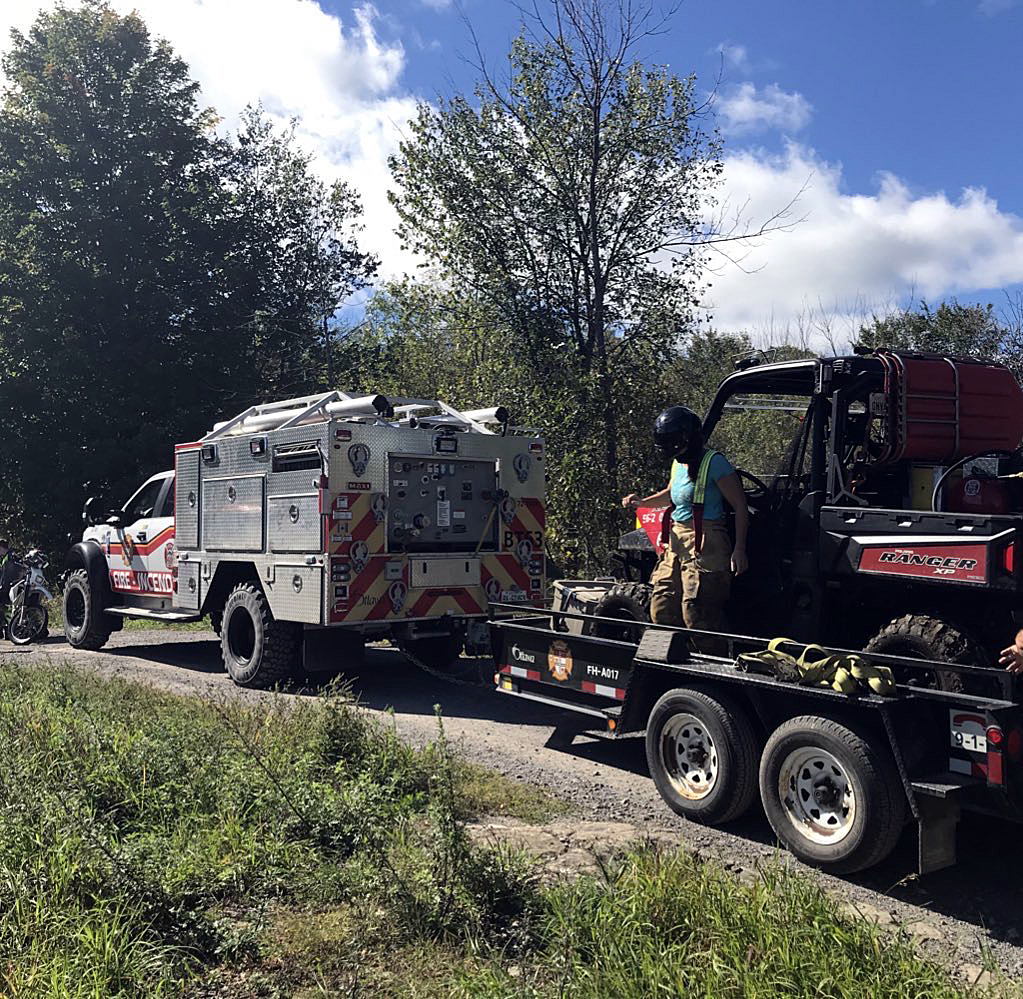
(624, 602)
(258, 651)
(832, 800)
(86, 626)
(702, 755)
(918, 636)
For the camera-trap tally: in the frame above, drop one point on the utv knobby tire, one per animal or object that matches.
(877, 807)
(727, 723)
(623, 602)
(919, 636)
(86, 626)
(258, 651)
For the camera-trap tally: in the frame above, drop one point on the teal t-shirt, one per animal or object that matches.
(683, 487)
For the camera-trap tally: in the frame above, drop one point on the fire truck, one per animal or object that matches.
(304, 527)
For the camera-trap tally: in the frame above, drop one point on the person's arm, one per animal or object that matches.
(657, 499)
(731, 489)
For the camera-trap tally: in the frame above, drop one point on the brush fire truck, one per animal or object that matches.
(307, 526)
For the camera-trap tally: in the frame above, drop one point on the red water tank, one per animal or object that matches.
(978, 494)
(941, 409)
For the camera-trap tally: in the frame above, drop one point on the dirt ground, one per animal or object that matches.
(957, 914)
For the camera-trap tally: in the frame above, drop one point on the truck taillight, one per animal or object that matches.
(1009, 557)
(995, 737)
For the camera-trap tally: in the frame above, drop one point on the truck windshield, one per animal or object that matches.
(755, 432)
(142, 503)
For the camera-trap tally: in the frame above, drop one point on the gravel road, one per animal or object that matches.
(955, 914)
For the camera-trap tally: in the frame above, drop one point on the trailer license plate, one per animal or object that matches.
(967, 731)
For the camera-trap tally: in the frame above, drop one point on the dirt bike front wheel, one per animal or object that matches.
(27, 624)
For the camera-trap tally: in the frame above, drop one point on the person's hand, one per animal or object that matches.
(1012, 657)
(739, 561)
(631, 500)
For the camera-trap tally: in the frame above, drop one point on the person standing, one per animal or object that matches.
(692, 580)
(8, 574)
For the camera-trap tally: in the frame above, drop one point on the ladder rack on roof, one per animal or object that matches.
(391, 411)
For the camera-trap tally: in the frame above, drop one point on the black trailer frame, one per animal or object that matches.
(541, 657)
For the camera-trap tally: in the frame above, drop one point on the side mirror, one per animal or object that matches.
(87, 517)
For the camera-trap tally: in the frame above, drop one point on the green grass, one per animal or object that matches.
(158, 846)
(55, 609)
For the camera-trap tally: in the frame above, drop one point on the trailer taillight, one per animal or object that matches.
(995, 741)
(1009, 557)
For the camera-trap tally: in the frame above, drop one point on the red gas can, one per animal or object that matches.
(978, 494)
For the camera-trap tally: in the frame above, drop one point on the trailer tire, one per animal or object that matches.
(86, 626)
(258, 651)
(624, 602)
(716, 781)
(832, 800)
(919, 636)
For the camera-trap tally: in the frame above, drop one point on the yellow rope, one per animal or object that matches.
(848, 674)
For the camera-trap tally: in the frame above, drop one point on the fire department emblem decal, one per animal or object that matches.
(508, 506)
(492, 589)
(379, 507)
(521, 464)
(397, 593)
(127, 549)
(170, 556)
(358, 458)
(360, 555)
(559, 660)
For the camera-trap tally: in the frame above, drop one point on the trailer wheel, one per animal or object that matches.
(623, 602)
(918, 636)
(832, 800)
(258, 650)
(702, 755)
(85, 624)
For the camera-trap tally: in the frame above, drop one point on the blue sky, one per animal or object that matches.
(903, 119)
(929, 89)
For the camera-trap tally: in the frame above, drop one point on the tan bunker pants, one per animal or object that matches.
(690, 588)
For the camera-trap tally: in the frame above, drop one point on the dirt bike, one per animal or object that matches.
(28, 618)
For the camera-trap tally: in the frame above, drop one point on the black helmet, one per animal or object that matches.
(674, 429)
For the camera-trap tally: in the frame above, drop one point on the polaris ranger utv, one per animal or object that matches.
(891, 517)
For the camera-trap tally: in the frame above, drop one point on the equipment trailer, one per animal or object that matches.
(839, 774)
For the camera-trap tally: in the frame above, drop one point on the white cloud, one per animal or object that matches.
(441, 4)
(734, 56)
(992, 7)
(746, 108)
(854, 251)
(335, 75)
